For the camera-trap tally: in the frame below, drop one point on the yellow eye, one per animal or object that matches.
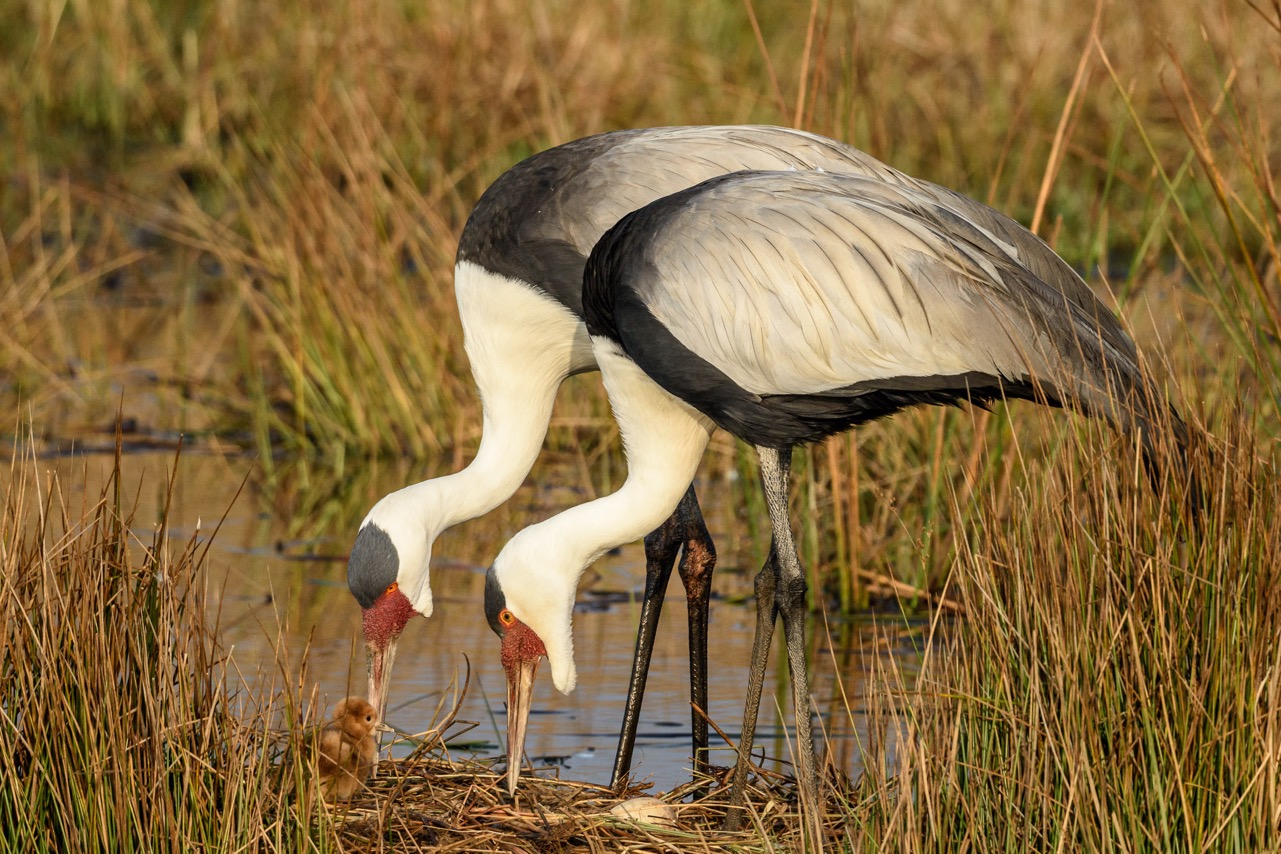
(391, 588)
(507, 618)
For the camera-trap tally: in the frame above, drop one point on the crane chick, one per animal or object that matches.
(347, 750)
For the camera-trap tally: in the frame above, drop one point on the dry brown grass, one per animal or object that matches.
(120, 729)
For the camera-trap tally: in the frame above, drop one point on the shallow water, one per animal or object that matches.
(278, 569)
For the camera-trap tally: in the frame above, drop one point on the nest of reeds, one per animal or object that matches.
(434, 802)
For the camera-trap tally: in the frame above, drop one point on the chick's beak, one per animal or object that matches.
(522, 650)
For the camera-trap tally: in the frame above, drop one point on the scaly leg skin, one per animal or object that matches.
(766, 613)
(661, 547)
(697, 562)
(775, 465)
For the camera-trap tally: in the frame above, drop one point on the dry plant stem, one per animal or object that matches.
(436, 733)
(1061, 133)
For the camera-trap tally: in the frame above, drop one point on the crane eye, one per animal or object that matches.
(507, 618)
(391, 588)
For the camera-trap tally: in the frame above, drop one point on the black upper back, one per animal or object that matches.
(512, 230)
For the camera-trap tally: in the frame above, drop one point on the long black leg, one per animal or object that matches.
(661, 547)
(697, 562)
(766, 613)
(790, 593)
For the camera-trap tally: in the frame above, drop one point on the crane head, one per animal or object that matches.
(522, 648)
(374, 578)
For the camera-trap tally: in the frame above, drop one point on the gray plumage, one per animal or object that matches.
(539, 221)
(537, 224)
(371, 566)
(787, 306)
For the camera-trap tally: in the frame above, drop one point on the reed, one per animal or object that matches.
(1112, 684)
(125, 726)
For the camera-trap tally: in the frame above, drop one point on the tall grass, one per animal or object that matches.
(1114, 684)
(287, 182)
(119, 729)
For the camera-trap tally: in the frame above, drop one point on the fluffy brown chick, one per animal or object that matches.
(347, 749)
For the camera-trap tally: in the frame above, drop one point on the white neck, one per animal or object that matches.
(522, 344)
(512, 435)
(540, 567)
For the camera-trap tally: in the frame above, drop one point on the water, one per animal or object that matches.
(278, 569)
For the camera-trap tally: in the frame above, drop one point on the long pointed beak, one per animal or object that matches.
(520, 693)
(380, 662)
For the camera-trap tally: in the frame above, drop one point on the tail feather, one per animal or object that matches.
(1166, 442)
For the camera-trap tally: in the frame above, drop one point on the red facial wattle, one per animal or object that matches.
(522, 649)
(386, 618)
(521, 644)
(383, 622)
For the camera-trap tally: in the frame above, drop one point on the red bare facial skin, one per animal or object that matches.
(386, 618)
(383, 622)
(521, 652)
(520, 644)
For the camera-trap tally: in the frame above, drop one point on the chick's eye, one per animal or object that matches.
(507, 618)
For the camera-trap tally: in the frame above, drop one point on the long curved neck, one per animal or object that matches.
(513, 429)
(664, 439)
(522, 344)
(540, 567)
(515, 422)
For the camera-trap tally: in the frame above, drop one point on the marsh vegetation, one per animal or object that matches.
(236, 223)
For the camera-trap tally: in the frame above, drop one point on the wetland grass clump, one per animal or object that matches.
(298, 175)
(1114, 684)
(118, 730)
(125, 726)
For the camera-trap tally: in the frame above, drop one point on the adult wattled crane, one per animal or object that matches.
(784, 307)
(518, 280)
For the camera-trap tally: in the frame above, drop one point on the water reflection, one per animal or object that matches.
(278, 565)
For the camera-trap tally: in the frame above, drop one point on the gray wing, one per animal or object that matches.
(647, 165)
(540, 219)
(804, 283)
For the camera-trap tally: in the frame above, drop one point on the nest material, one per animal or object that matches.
(432, 802)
